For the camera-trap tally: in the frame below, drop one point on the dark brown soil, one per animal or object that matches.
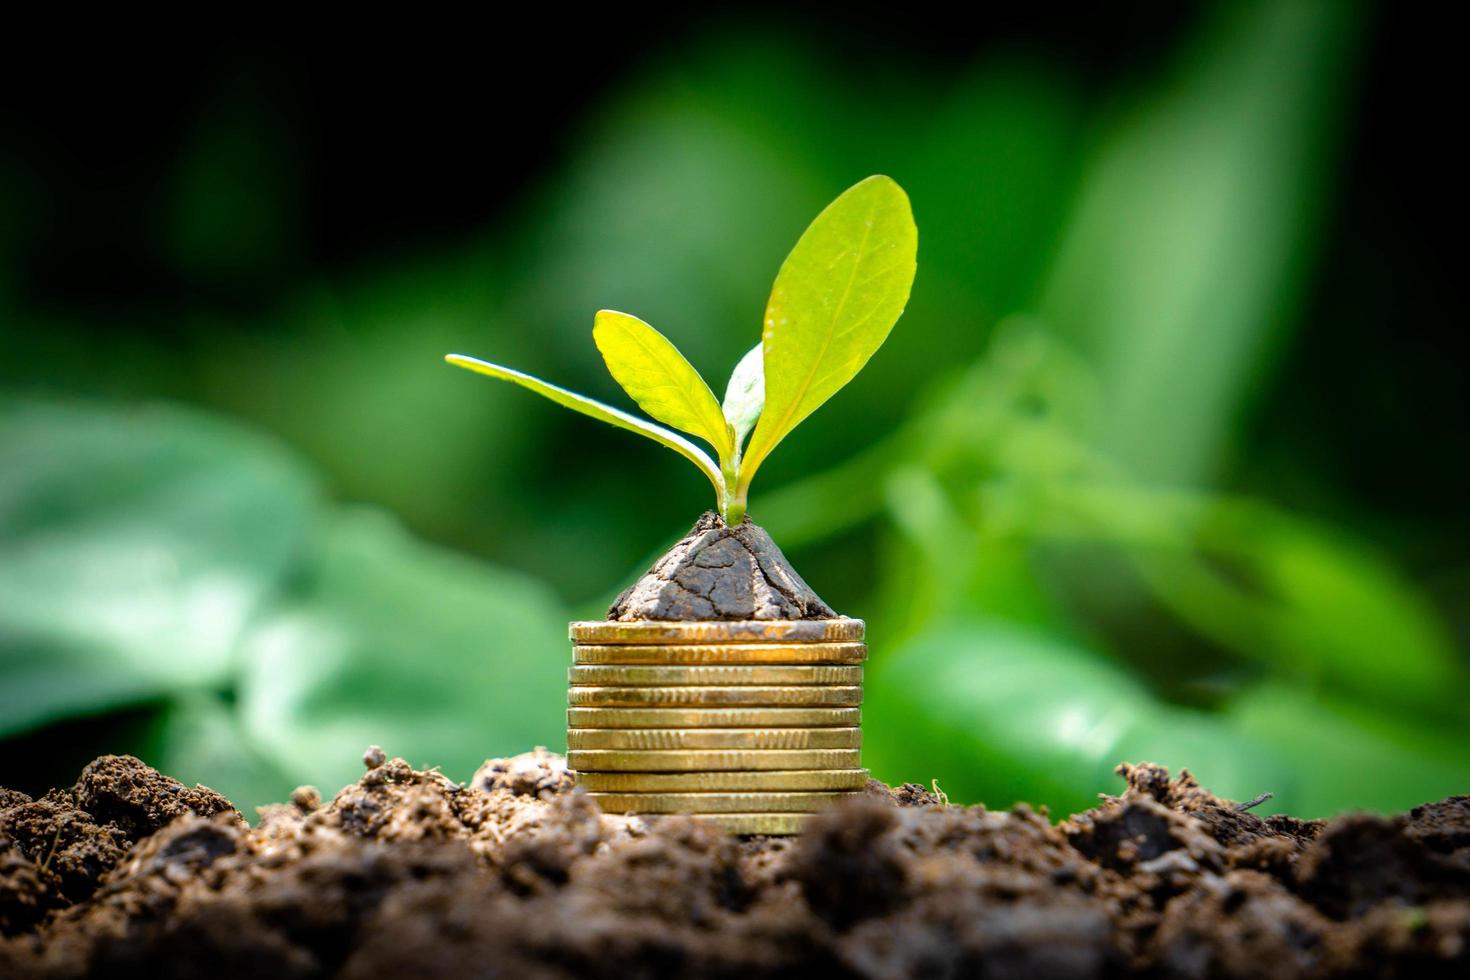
(721, 572)
(407, 873)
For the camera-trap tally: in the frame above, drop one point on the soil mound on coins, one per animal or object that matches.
(408, 873)
(722, 573)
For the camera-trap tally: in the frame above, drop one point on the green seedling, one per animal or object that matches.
(833, 304)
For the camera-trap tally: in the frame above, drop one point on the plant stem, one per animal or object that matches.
(732, 501)
(733, 508)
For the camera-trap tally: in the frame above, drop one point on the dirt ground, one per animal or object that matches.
(407, 873)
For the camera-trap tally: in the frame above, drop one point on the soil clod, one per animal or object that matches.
(718, 572)
(54, 851)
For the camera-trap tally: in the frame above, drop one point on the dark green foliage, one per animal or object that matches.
(1082, 516)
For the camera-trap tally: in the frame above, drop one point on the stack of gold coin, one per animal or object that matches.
(754, 725)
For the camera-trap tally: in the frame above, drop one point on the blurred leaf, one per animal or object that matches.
(998, 713)
(659, 378)
(1334, 609)
(1308, 601)
(438, 658)
(599, 411)
(135, 547)
(1192, 238)
(745, 395)
(836, 297)
(1352, 757)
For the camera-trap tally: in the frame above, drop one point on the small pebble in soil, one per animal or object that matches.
(306, 798)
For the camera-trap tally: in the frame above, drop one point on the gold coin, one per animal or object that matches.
(715, 802)
(709, 760)
(713, 717)
(660, 675)
(723, 782)
(810, 695)
(763, 824)
(731, 653)
(841, 630)
(714, 738)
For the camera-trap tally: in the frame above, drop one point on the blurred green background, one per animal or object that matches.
(1165, 461)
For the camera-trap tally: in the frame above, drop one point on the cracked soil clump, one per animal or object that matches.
(518, 874)
(55, 850)
(722, 573)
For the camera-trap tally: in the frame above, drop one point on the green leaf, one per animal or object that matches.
(436, 657)
(659, 378)
(745, 395)
(836, 297)
(135, 547)
(597, 410)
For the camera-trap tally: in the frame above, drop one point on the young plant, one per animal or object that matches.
(834, 301)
